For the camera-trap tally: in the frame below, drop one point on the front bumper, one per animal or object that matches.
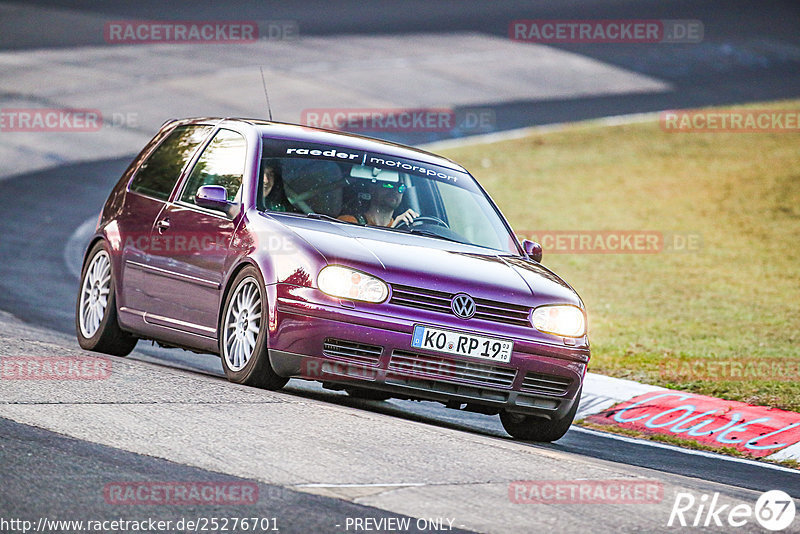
(316, 337)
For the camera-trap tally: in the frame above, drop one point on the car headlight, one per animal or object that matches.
(347, 283)
(567, 321)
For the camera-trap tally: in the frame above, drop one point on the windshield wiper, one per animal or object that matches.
(311, 215)
(320, 216)
(428, 233)
(323, 217)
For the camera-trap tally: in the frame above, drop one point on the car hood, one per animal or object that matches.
(431, 263)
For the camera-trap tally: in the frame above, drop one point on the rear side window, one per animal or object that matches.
(222, 163)
(159, 173)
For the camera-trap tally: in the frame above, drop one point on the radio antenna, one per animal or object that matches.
(264, 82)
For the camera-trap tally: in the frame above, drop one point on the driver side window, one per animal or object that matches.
(222, 163)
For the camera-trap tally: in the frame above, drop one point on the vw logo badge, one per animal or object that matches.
(463, 306)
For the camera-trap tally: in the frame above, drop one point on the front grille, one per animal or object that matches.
(439, 301)
(551, 384)
(425, 299)
(350, 350)
(501, 312)
(405, 362)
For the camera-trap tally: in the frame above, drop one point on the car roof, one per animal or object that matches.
(311, 134)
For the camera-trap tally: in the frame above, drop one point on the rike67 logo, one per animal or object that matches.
(774, 510)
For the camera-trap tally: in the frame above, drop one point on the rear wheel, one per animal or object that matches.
(96, 310)
(243, 334)
(532, 428)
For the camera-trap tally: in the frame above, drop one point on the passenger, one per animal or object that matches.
(385, 197)
(273, 197)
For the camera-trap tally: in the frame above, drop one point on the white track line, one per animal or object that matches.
(374, 485)
(74, 248)
(694, 452)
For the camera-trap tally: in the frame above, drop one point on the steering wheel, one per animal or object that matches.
(422, 220)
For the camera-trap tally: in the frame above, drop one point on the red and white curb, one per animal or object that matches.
(759, 431)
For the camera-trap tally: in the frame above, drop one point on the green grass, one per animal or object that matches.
(736, 298)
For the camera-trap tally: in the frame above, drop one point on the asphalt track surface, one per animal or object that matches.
(41, 210)
(744, 55)
(72, 474)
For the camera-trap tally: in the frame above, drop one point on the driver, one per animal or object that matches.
(385, 197)
(272, 193)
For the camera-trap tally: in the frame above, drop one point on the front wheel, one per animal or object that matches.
(243, 334)
(96, 311)
(532, 428)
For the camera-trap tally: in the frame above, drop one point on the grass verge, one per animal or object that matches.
(733, 300)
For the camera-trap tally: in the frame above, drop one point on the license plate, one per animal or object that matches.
(461, 344)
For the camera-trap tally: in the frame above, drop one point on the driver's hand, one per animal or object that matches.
(407, 217)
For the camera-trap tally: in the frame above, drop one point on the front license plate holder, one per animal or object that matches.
(462, 343)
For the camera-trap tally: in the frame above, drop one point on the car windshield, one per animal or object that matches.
(376, 190)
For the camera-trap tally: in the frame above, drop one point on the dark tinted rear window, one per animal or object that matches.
(222, 163)
(159, 173)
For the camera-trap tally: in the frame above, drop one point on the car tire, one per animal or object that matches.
(368, 394)
(243, 333)
(532, 428)
(96, 321)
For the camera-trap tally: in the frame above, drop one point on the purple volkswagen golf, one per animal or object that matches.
(296, 252)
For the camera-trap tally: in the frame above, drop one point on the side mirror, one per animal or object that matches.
(533, 250)
(215, 197)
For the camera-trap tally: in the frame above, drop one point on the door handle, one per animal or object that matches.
(162, 225)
